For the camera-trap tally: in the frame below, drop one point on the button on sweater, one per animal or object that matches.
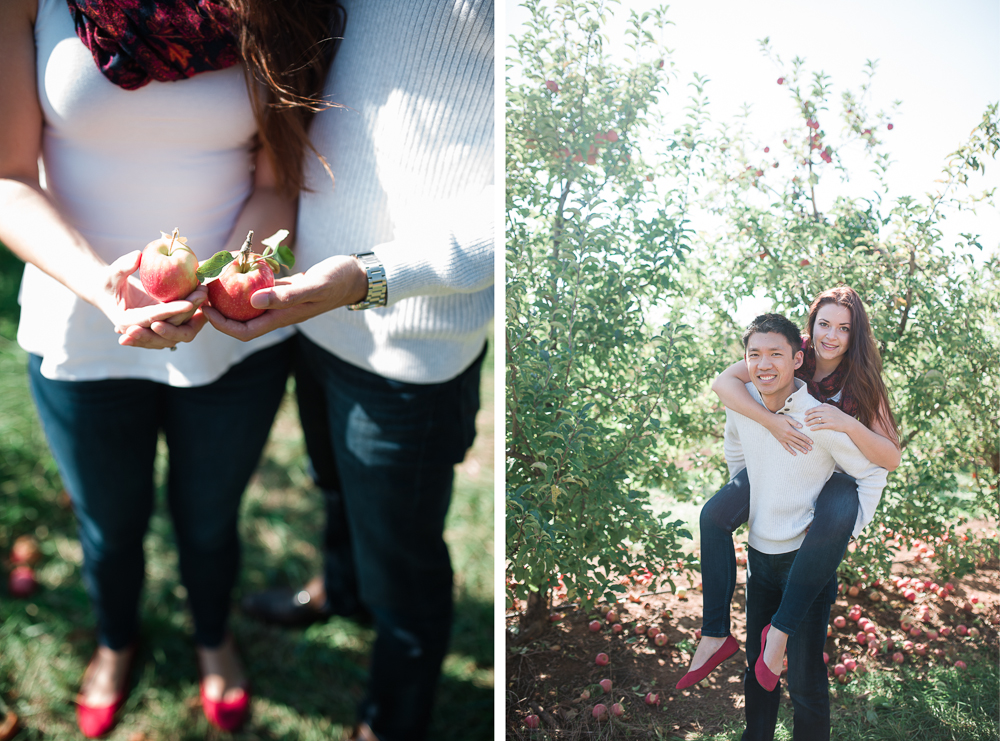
(783, 487)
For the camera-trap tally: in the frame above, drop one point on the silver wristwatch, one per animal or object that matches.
(377, 290)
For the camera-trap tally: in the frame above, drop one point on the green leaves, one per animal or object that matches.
(276, 254)
(214, 265)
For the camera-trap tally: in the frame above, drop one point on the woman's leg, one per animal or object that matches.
(815, 562)
(215, 435)
(721, 515)
(105, 448)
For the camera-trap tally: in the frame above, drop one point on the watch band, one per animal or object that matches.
(377, 287)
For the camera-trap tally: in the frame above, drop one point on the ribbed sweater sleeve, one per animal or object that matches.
(455, 255)
(412, 150)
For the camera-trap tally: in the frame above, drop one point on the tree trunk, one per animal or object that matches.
(535, 618)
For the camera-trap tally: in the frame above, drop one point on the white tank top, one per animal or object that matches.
(123, 165)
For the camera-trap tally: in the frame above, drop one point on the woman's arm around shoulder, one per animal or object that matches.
(730, 387)
(877, 444)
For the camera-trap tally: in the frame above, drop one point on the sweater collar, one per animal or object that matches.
(797, 401)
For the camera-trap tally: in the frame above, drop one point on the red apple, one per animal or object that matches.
(531, 721)
(168, 268)
(839, 669)
(661, 639)
(611, 617)
(602, 659)
(605, 685)
(839, 621)
(961, 630)
(595, 625)
(960, 664)
(600, 710)
(653, 632)
(617, 709)
(617, 628)
(230, 293)
(552, 85)
(21, 582)
(640, 629)
(652, 698)
(898, 658)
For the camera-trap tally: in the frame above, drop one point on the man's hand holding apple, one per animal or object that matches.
(334, 282)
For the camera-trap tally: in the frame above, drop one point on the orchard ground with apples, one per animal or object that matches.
(305, 683)
(915, 652)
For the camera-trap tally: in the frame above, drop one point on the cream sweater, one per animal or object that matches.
(783, 487)
(412, 151)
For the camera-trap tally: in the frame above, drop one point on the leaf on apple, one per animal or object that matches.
(276, 253)
(214, 265)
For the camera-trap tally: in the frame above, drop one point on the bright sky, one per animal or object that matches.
(940, 59)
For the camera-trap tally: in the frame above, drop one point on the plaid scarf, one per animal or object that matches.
(135, 41)
(828, 386)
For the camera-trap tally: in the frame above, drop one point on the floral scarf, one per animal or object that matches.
(135, 41)
(828, 386)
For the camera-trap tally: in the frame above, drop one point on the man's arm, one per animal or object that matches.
(457, 258)
(732, 447)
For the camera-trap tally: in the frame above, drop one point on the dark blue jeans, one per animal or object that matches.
(384, 453)
(818, 556)
(767, 581)
(103, 436)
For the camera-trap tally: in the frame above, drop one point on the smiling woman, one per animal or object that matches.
(841, 367)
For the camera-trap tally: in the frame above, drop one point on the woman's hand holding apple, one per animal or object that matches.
(134, 312)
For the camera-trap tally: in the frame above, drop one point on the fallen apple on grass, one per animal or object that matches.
(232, 278)
(531, 721)
(600, 711)
(602, 659)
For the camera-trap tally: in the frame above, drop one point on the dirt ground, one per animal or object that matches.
(548, 676)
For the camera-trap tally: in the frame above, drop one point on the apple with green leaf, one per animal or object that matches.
(233, 277)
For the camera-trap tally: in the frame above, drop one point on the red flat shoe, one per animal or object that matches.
(229, 716)
(95, 721)
(765, 677)
(726, 650)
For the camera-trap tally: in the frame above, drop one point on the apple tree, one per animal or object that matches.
(592, 383)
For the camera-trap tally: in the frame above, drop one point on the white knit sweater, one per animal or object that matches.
(783, 487)
(412, 154)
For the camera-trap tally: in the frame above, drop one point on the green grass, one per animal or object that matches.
(937, 703)
(306, 683)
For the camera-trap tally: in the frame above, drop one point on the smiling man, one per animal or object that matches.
(785, 489)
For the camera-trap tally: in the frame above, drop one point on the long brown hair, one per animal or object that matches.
(287, 46)
(862, 361)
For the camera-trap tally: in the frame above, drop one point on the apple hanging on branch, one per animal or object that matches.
(233, 277)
